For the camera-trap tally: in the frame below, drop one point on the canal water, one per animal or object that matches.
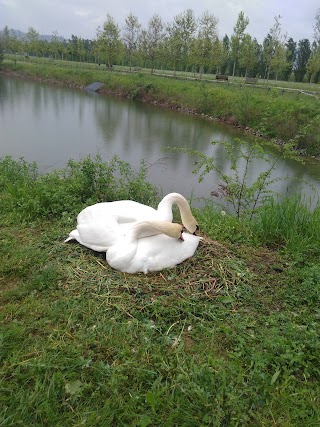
(51, 125)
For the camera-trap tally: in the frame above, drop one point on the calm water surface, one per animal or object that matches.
(51, 125)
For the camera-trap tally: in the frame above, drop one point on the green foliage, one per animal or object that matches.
(308, 140)
(29, 195)
(141, 91)
(287, 224)
(251, 212)
(290, 223)
(1, 51)
(235, 190)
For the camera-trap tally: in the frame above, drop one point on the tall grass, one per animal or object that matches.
(30, 195)
(287, 224)
(291, 223)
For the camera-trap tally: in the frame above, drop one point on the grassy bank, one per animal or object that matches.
(228, 338)
(269, 112)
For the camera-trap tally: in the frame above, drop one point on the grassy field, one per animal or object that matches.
(308, 87)
(266, 110)
(228, 338)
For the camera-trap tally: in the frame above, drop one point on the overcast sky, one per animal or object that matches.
(83, 17)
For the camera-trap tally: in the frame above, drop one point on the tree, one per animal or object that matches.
(273, 45)
(207, 34)
(219, 53)
(316, 49)
(109, 40)
(81, 49)
(131, 35)
(226, 47)
(313, 65)
(73, 47)
(316, 28)
(179, 35)
(15, 45)
(151, 40)
(56, 45)
(1, 49)
(32, 41)
(237, 38)
(291, 49)
(248, 56)
(303, 55)
(278, 62)
(5, 37)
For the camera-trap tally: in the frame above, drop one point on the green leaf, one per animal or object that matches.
(150, 398)
(73, 387)
(226, 300)
(144, 421)
(274, 377)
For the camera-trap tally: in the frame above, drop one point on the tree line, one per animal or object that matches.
(185, 44)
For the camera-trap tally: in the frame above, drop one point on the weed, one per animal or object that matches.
(234, 190)
(30, 195)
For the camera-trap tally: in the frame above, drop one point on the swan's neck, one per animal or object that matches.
(152, 228)
(165, 207)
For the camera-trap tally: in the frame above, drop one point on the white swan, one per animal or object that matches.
(98, 234)
(136, 253)
(126, 211)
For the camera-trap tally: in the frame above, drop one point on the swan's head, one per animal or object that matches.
(176, 231)
(171, 229)
(192, 225)
(151, 228)
(190, 222)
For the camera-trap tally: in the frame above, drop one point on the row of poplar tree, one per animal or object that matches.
(185, 44)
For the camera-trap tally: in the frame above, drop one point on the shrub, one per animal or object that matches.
(90, 180)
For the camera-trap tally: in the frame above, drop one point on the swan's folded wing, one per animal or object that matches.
(122, 211)
(99, 236)
(156, 253)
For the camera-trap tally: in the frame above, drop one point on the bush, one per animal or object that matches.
(30, 195)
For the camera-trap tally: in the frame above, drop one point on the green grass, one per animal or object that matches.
(228, 338)
(267, 111)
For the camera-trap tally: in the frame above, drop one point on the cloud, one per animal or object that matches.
(8, 3)
(82, 13)
(82, 18)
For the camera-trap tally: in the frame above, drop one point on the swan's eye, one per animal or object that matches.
(197, 229)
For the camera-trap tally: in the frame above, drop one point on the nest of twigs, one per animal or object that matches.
(213, 270)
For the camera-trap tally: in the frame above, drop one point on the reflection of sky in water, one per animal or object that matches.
(51, 125)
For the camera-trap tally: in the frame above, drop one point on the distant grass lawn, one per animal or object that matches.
(228, 338)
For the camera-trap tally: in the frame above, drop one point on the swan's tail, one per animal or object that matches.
(74, 235)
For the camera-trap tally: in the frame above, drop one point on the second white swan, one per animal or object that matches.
(137, 253)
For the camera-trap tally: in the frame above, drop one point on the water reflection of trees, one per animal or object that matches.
(59, 123)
